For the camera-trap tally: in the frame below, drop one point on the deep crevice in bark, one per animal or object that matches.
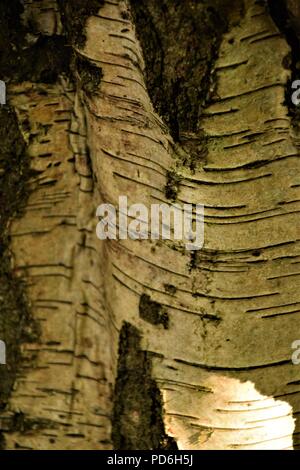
(89, 75)
(137, 417)
(286, 15)
(180, 41)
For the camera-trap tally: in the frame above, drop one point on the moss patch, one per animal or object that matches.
(137, 417)
(20, 60)
(16, 325)
(89, 75)
(74, 15)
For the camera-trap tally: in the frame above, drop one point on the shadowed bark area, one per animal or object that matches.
(137, 419)
(26, 52)
(180, 42)
(74, 16)
(15, 322)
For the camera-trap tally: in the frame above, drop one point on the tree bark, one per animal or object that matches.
(142, 344)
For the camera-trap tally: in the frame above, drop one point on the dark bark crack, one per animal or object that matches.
(137, 417)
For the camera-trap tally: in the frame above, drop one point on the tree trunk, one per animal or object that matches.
(141, 344)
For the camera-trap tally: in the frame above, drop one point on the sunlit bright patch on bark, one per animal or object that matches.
(234, 415)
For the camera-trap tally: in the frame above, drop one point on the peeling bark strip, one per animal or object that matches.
(220, 376)
(138, 410)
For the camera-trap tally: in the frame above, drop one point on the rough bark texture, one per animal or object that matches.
(142, 344)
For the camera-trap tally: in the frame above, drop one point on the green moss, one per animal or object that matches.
(137, 417)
